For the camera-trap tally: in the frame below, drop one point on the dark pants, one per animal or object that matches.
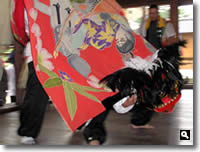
(96, 129)
(34, 106)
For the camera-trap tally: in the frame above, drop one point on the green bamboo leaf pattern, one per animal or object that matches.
(92, 89)
(77, 1)
(54, 82)
(81, 91)
(48, 72)
(70, 98)
(76, 86)
(88, 95)
(85, 88)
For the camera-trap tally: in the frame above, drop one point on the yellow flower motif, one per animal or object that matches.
(92, 30)
(108, 34)
(96, 44)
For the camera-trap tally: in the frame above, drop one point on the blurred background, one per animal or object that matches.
(179, 12)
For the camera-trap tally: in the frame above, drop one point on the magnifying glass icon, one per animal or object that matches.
(184, 134)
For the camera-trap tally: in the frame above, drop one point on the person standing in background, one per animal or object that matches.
(156, 30)
(11, 78)
(3, 84)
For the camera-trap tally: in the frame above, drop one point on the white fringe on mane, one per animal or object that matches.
(143, 64)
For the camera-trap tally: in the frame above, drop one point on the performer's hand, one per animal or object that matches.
(130, 101)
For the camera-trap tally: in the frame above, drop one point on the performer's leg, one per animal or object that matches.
(141, 116)
(34, 106)
(95, 132)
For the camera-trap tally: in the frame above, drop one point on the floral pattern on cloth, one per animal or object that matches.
(74, 44)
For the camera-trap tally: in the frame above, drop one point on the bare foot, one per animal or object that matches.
(94, 142)
(148, 126)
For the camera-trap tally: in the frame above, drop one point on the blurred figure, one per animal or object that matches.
(156, 30)
(3, 84)
(11, 92)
